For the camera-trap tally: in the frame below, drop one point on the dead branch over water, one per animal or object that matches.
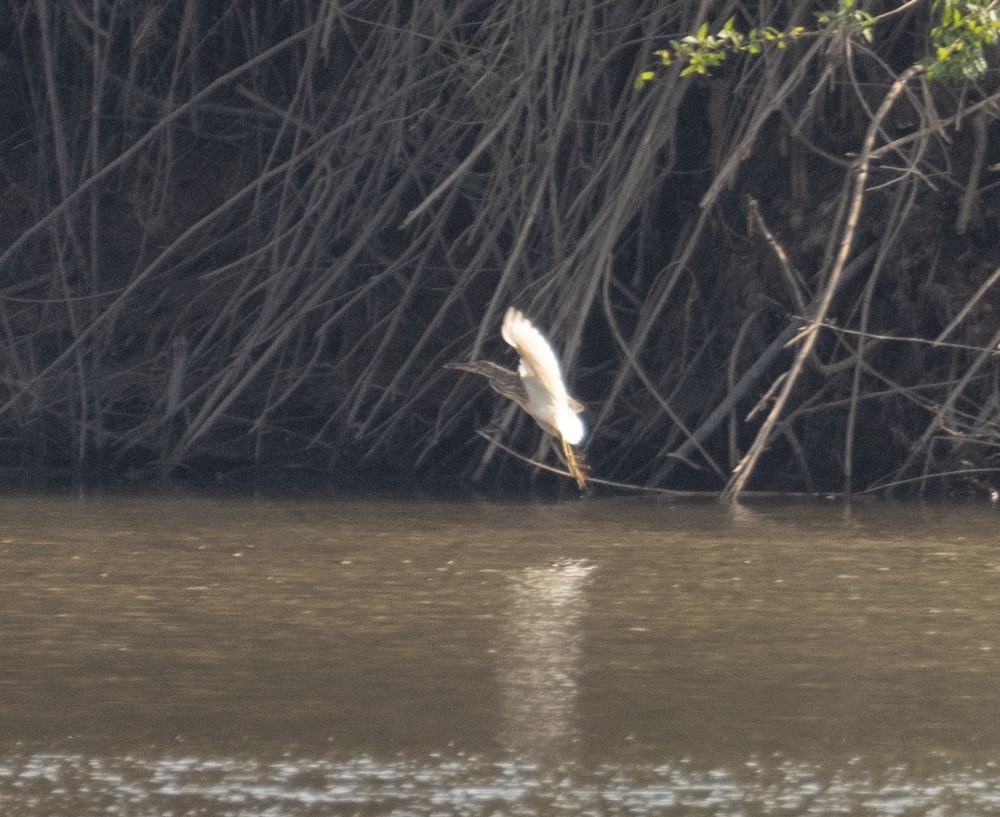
(254, 235)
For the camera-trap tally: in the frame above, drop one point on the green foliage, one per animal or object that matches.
(847, 20)
(703, 51)
(964, 29)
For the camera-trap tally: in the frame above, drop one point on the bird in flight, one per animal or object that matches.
(537, 386)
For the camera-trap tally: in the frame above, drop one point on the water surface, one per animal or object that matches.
(609, 657)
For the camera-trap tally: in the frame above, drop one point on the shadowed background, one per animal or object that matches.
(250, 234)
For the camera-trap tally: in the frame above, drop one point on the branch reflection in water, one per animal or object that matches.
(539, 655)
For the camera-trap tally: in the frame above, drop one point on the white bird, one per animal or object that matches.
(538, 386)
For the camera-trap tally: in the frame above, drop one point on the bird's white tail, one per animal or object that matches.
(571, 426)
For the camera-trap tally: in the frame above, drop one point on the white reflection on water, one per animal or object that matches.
(540, 655)
(60, 785)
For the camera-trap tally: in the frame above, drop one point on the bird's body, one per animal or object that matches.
(548, 401)
(537, 387)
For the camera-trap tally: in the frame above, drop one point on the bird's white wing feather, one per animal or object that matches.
(537, 356)
(548, 401)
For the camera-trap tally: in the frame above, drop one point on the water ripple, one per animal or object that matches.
(75, 784)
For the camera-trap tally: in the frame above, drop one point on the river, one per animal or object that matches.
(234, 656)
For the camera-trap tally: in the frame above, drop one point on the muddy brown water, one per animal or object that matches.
(286, 657)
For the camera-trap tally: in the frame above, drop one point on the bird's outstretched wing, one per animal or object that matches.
(538, 359)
